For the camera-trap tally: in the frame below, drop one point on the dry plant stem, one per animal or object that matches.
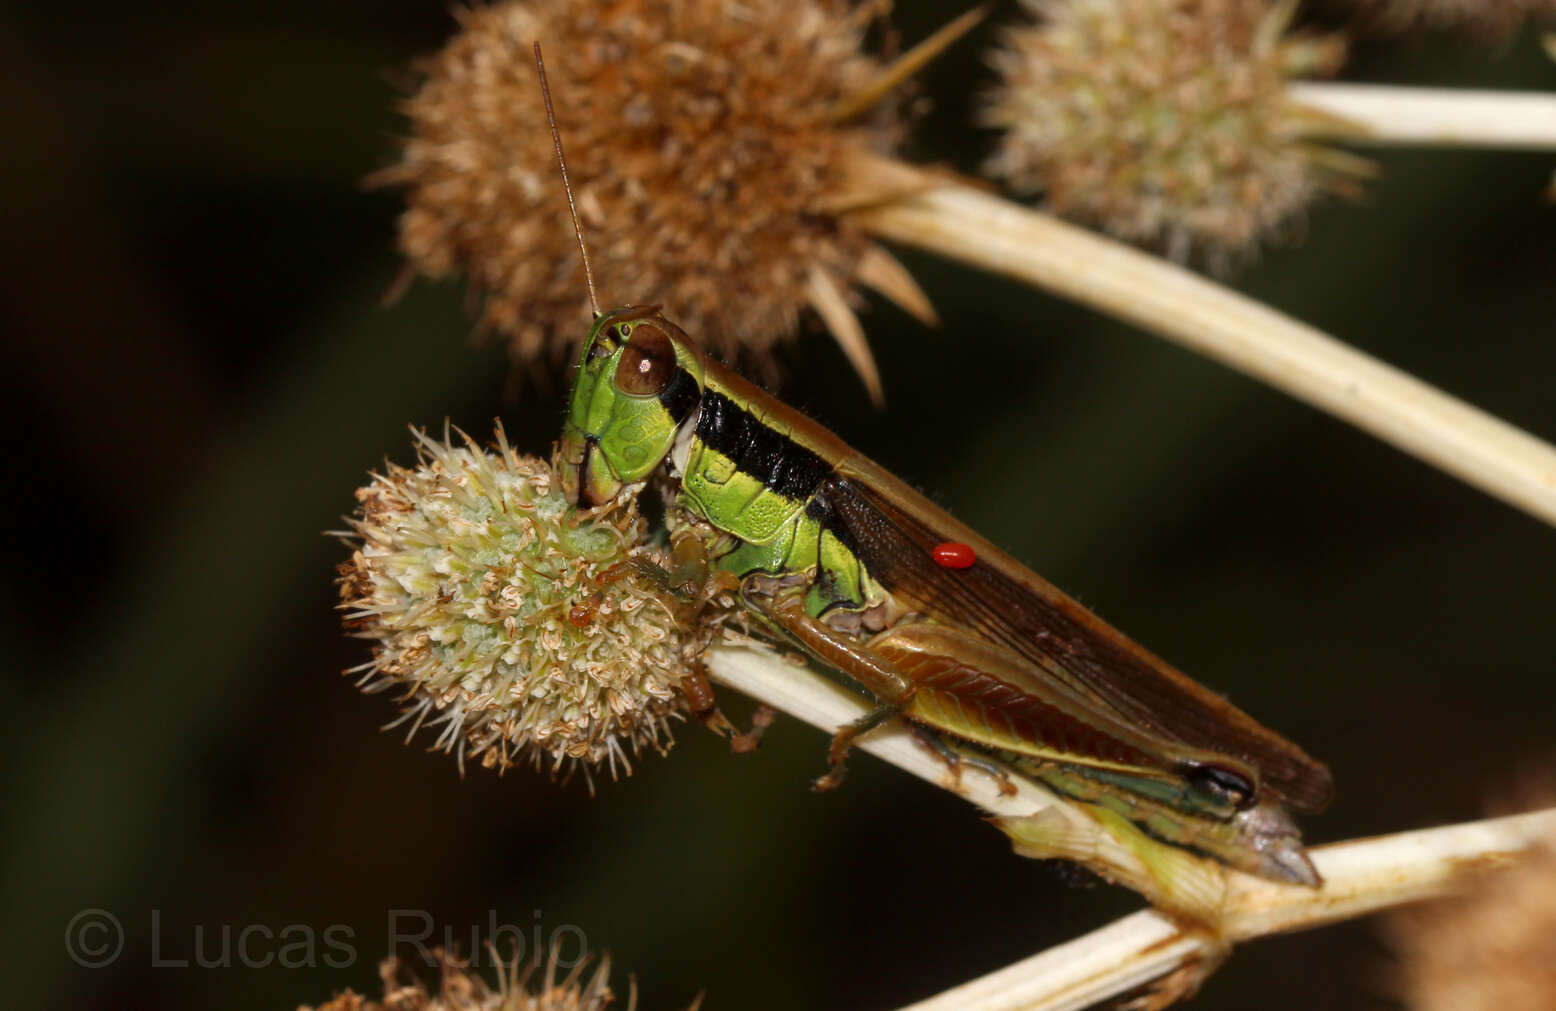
(1383, 114)
(1360, 877)
(797, 690)
(975, 227)
(808, 696)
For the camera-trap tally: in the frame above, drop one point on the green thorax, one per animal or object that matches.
(756, 472)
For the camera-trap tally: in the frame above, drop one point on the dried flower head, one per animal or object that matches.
(1165, 122)
(704, 150)
(1494, 948)
(461, 990)
(482, 592)
(1491, 20)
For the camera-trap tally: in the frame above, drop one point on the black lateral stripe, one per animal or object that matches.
(721, 425)
(680, 396)
(782, 465)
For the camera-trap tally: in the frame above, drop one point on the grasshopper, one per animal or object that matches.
(831, 553)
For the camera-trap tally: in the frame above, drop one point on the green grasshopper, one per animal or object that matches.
(843, 560)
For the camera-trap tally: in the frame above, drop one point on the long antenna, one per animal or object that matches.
(572, 208)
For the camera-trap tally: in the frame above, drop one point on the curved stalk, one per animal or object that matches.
(987, 231)
(1360, 877)
(802, 693)
(1386, 114)
(1194, 887)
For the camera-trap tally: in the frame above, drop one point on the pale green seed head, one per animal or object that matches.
(477, 583)
(1166, 122)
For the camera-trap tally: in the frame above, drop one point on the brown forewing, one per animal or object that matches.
(893, 529)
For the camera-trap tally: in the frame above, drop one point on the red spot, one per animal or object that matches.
(954, 555)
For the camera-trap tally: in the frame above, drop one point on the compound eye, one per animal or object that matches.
(648, 363)
(1222, 784)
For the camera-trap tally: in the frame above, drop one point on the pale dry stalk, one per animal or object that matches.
(987, 231)
(1446, 117)
(1360, 876)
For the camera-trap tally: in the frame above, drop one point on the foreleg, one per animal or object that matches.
(786, 611)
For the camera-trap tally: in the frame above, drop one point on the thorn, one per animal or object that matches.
(881, 271)
(828, 301)
(905, 66)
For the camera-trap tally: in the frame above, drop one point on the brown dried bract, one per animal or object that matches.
(700, 148)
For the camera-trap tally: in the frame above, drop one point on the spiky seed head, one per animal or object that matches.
(701, 150)
(480, 589)
(1165, 122)
(584, 988)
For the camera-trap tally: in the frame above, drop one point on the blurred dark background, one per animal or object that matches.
(201, 373)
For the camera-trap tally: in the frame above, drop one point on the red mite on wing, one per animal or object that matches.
(954, 555)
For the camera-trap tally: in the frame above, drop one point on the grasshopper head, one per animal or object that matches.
(639, 379)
